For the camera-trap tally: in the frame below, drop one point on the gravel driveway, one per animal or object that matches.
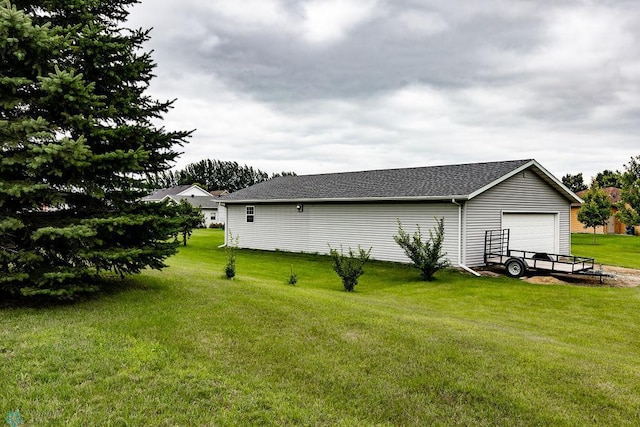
(622, 277)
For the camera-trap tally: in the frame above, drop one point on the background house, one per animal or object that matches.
(307, 213)
(613, 226)
(197, 197)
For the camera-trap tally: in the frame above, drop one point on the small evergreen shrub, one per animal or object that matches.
(349, 267)
(427, 256)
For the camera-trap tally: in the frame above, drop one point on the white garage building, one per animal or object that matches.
(309, 213)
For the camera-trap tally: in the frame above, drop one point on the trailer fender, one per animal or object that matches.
(515, 267)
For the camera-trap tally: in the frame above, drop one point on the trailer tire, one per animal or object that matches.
(515, 268)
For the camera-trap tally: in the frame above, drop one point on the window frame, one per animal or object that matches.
(250, 213)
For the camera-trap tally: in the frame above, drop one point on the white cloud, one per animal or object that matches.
(328, 21)
(579, 39)
(248, 14)
(325, 85)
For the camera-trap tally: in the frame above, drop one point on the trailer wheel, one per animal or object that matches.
(515, 267)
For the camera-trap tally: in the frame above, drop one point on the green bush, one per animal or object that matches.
(349, 267)
(293, 278)
(231, 249)
(427, 256)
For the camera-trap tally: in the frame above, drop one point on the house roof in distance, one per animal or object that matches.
(163, 192)
(612, 192)
(461, 181)
(195, 195)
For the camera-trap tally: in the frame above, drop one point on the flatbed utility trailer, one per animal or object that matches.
(518, 262)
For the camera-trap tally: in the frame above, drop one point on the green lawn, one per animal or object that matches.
(186, 347)
(609, 249)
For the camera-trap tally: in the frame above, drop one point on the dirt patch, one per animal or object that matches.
(624, 277)
(544, 280)
(621, 277)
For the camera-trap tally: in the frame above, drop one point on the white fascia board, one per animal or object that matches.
(188, 191)
(347, 200)
(169, 198)
(553, 180)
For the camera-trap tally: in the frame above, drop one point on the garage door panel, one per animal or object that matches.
(532, 231)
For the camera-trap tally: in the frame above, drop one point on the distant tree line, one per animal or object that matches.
(606, 178)
(214, 175)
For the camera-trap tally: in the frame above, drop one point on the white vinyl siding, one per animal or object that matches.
(525, 192)
(283, 227)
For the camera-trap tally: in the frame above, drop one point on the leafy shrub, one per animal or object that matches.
(231, 249)
(350, 267)
(427, 256)
(293, 278)
(230, 269)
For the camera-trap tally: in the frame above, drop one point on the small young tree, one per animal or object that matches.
(596, 209)
(349, 267)
(231, 248)
(190, 218)
(427, 256)
(629, 205)
(293, 277)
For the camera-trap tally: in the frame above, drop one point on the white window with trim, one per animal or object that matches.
(251, 210)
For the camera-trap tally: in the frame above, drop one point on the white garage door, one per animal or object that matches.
(535, 232)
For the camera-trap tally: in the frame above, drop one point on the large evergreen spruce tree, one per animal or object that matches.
(78, 142)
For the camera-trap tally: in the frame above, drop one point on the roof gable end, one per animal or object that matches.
(540, 171)
(193, 190)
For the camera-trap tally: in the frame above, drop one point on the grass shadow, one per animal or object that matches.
(105, 286)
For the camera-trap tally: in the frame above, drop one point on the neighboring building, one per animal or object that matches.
(307, 213)
(197, 197)
(613, 226)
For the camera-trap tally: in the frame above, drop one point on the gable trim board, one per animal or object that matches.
(304, 215)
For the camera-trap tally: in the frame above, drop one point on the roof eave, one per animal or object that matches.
(352, 199)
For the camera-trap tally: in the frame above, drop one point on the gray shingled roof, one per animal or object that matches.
(423, 182)
(163, 192)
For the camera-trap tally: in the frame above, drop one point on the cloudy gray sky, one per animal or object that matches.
(316, 86)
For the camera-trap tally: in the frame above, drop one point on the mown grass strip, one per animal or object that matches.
(608, 249)
(185, 346)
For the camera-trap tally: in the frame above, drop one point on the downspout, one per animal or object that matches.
(460, 264)
(226, 226)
